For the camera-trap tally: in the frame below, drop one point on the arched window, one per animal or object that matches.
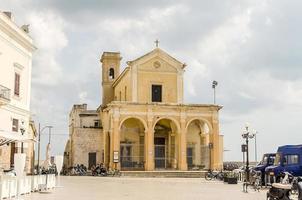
(111, 73)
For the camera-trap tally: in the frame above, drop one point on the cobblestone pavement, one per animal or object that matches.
(108, 188)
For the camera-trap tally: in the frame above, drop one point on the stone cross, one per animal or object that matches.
(156, 42)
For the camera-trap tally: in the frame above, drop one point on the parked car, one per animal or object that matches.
(288, 159)
(267, 160)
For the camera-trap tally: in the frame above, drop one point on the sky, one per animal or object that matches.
(253, 48)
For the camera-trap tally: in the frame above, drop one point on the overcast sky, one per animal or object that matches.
(253, 48)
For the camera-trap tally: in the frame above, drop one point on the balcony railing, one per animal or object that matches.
(4, 94)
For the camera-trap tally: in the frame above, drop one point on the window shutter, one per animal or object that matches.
(15, 125)
(17, 84)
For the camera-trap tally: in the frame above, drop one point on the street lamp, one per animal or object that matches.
(256, 146)
(39, 142)
(214, 85)
(247, 135)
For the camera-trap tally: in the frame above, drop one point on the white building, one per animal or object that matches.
(16, 49)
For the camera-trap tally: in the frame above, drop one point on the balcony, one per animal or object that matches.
(4, 95)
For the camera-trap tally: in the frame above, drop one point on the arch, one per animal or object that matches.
(132, 143)
(198, 152)
(134, 117)
(201, 119)
(169, 118)
(166, 143)
(111, 73)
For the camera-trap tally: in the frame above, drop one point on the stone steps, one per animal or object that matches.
(164, 174)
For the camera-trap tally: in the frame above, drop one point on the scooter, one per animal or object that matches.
(282, 191)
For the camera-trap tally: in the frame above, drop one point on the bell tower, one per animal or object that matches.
(110, 71)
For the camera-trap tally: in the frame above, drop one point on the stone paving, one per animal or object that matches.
(113, 188)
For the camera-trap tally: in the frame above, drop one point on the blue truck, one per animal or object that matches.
(288, 159)
(267, 160)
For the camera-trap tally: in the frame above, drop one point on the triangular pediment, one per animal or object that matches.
(158, 58)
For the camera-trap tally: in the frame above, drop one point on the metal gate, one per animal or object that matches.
(132, 156)
(198, 156)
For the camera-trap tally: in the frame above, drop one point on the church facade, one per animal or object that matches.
(143, 122)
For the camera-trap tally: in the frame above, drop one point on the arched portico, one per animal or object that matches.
(165, 143)
(132, 144)
(207, 122)
(198, 138)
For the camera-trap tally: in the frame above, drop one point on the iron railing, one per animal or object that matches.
(198, 157)
(165, 156)
(132, 156)
(4, 93)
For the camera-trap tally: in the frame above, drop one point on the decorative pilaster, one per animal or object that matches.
(150, 146)
(214, 138)
(115, 137)
(182, 135)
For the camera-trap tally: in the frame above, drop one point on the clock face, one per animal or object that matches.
(156, 64)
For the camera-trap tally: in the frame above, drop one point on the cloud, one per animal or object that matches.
(47, 28)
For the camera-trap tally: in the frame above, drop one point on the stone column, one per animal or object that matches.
(216, 162)
(182, 142)
(115, 138)
(149, 147)
(111, 148)
(105, 136)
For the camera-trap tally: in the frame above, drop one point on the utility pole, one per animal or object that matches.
(39, 143)
(256, 147)
(39, 139)
(49, 137)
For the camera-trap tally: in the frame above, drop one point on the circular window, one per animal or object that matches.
(156, 64)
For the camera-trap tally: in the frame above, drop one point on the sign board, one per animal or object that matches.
(243, 148)
(115, 157)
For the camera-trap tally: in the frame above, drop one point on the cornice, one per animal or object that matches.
(13, 31)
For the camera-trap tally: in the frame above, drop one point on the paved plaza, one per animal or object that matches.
(112, 188)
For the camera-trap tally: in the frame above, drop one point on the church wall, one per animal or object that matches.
(123, 89)
(86, 140)
(221, 148)
(88, 121)
(168, 82)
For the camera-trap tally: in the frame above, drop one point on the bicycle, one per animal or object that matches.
(214, 175)
(254, 182)
(114, 172)
(257, 184)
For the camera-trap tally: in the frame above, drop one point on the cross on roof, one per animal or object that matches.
(156, 42)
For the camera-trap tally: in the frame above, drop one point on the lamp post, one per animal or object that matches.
(214, 85)
(247, 135)
(39, 143)
(256, 146)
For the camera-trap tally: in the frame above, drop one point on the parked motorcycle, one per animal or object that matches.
(99, 170)
(79, 170)
(214, 175)
(284, 189)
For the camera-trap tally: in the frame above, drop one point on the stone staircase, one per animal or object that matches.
(164, 174)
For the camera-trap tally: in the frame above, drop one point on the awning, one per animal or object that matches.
(7, 137)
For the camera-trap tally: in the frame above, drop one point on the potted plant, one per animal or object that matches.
(232, 178)
(225, 177)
